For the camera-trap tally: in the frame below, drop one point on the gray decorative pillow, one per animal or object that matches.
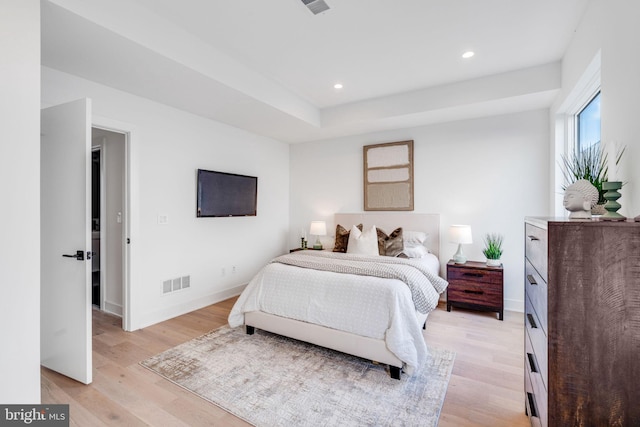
(390, 245)
(342, 238)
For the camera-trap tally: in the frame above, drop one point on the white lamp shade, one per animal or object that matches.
(318, 228)
(460, 234)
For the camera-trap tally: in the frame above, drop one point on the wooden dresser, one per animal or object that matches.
(582, 322)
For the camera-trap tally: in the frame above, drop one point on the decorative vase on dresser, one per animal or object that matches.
(582, 322)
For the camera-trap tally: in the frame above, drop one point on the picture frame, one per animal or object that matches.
(388, 176)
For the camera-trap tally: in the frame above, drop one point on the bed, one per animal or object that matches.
(372, 307)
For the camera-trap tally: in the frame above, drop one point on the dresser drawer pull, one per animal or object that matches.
(531, 279)
(532, 238)
(532, 405)
(532, 363)
(473, 274)
(532, 322)
(469, 291)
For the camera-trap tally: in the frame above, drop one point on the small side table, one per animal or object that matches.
(476, 286)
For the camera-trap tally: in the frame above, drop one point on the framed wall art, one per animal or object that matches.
(388, 176)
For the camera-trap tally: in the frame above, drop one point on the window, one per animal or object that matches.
(588, 125)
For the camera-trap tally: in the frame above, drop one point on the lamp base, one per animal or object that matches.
(459, 257)
(317, 245)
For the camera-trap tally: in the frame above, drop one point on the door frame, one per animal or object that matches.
(129, 132)
(102, 248)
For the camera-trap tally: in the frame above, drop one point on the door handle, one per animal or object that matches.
(79, 256)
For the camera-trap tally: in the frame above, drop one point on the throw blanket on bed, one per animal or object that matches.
(415, 276)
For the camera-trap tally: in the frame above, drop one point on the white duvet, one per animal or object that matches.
(374, 307)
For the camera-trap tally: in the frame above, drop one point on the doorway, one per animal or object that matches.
(108, 222)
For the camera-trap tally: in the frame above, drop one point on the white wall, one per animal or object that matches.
(621, 92)
(610, 29)
(489, 173)
(167, 146)
(20, 190)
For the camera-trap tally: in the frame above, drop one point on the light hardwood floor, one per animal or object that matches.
(485, 388)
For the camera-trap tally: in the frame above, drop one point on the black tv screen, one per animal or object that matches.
(226, 194)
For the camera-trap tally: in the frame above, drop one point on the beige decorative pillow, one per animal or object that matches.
(363, 242)
(392, 244)
(342, 238)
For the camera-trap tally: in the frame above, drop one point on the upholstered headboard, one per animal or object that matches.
(388, 221)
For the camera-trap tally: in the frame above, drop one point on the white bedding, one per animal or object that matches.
(368, 306)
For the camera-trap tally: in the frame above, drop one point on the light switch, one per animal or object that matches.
(119, 218)
(163, 219)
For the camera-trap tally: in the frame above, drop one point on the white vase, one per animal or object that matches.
(494, 263)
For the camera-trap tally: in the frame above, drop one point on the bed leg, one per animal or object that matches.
(424, 326)
(394, 371)
(250, 330)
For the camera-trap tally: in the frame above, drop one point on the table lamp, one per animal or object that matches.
(318, 228)
(460, 234)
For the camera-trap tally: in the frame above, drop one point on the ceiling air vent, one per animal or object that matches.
(316, 6)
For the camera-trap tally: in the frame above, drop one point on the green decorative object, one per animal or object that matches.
(493, 249)
(611, 196)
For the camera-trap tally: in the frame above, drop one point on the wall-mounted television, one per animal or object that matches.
(226, 194)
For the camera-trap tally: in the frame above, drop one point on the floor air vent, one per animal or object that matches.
(316, 6)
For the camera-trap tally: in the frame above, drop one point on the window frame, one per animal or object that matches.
(576, 140)
(564, 129)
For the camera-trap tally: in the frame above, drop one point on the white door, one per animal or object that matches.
(65, 208)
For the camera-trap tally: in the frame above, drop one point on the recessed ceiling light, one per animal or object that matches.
(337, 86)
(468, 54)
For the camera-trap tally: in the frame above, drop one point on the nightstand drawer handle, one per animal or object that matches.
(531, 279)
(532, 237)
(473, 274)
(469, 291)
(532, 322)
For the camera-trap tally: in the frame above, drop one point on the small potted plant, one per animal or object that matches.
(493, 249)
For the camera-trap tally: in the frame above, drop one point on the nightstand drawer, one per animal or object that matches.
(475, 294)
(475, 275)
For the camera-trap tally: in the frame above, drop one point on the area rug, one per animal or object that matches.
(270, 380)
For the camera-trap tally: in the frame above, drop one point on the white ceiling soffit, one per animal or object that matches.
(106, 42)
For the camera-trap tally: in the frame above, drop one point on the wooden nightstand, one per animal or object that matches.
(476, 286)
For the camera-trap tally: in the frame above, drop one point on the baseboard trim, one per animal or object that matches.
(113, 308)
(514, 305)
(186, 307)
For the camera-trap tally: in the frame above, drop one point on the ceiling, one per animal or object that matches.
(269, 66)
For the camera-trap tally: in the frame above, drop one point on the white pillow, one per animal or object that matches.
(414, 238)
(415, 251)
(363, 242)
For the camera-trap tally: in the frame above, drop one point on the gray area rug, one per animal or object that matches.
(270, 380)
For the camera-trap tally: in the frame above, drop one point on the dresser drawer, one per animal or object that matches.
(536, 248)
(536, 289)
(538, 339)
(534, 384)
